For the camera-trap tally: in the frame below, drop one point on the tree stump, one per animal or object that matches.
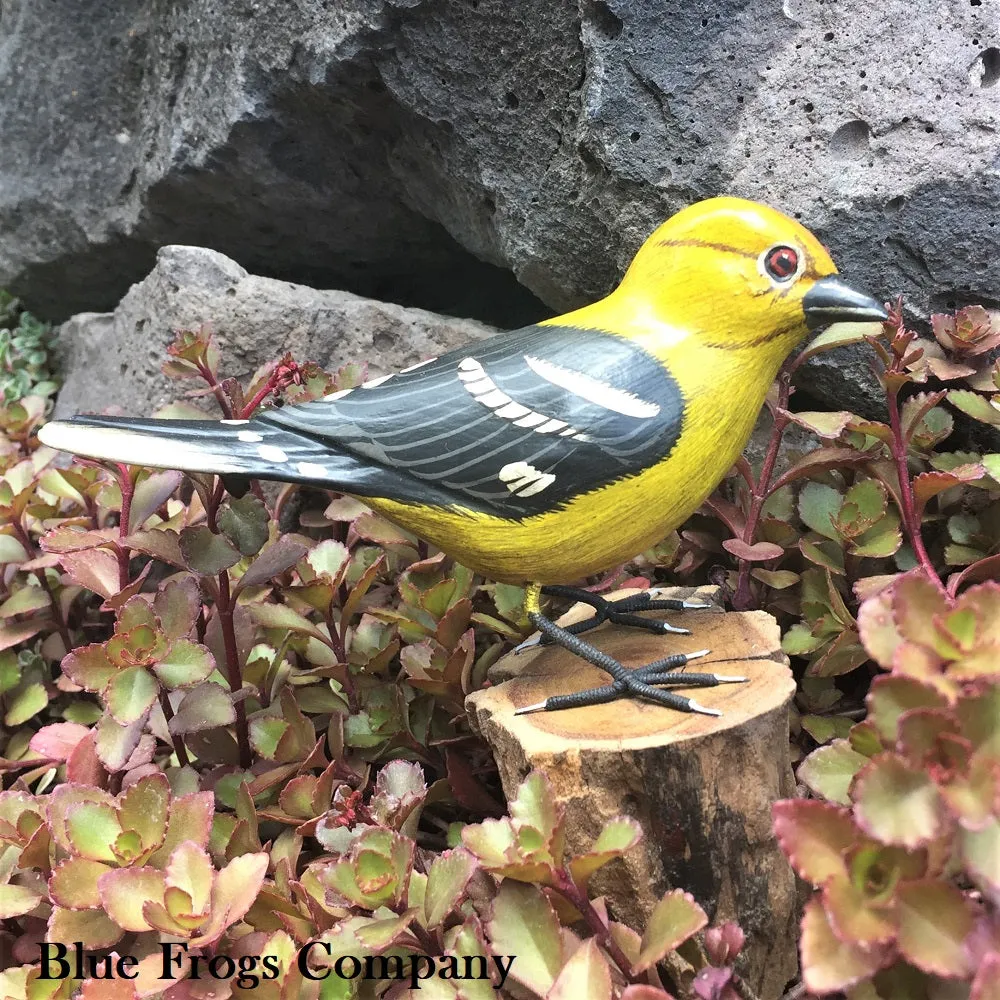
(702, 787)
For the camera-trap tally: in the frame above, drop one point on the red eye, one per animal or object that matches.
(781, 263)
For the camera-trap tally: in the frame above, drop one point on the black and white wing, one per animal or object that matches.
(512, 426)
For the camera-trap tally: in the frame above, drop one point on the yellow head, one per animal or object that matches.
(736, 274)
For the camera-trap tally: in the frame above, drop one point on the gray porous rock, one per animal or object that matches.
(253, 320)
(460, 155)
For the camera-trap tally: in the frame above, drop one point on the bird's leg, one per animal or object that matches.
(620, 612)
(626, 683)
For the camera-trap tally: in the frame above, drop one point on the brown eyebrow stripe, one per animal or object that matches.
(724, 247)
(756, 342)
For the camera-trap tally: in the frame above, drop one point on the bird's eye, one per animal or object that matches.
(781, 263)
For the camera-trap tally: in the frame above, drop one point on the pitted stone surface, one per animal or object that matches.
(431, 153)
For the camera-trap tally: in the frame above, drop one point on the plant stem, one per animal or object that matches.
(760, 490)
(168, 714)
(224, 605)
(907, 505)
(569, 890)
(25, 539)
(127, 487)
(217, 390)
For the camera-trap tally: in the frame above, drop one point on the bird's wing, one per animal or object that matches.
(512, 426)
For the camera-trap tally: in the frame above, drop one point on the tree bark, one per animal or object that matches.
(702, 787)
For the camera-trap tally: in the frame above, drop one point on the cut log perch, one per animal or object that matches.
(701, 786)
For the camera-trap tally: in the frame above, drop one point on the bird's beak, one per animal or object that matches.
(830, 300)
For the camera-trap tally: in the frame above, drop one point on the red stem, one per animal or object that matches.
(907, 505)
(168, 714)
(569, 890)
(127, 487)
(57, 615)
(262, 394)
(218, 391)
(759, 491)
(224, 605)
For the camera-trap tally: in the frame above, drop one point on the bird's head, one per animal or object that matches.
(737, 274)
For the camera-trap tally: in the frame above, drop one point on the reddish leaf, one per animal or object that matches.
(58, 740)
(758, 552)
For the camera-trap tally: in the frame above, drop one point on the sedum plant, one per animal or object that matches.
(24, 353)
(233, 725)
(235, 758)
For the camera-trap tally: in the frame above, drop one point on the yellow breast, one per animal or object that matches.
(596, 531)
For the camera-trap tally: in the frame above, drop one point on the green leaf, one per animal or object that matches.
(124, 891)
(130, 694)
(814, 836)
(881, 540)
(244, 522)
(819, 504)
(116, 743)
(780, 579)
(935, 919)
(24, 601)
(74, 883)
(890, 697)
(974, 405)
(205, 553)
(898, 804)
(523, 923)
(150, 495)
(829, 770)
(92, 829)
(282, 555)
(184, 664)
(823, 423)
(328, 559)
(446, 883)
(674, 919)
(799, 641)
(89, 667)
(839, 335)
(990, 462)
(91, 928)
(830, 965)
(265, 734)
(823, 728)
(207, 706)
(619, 834)
(283, 617)
(12, 551)
(26, 704)
(585, 976)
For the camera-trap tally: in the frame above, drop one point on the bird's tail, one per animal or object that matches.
(250, 448)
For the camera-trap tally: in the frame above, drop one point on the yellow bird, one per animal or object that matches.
(553, 452)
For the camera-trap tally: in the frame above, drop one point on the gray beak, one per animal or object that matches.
(830, 300)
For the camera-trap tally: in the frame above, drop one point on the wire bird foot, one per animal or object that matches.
(620, 612)
(640, 683)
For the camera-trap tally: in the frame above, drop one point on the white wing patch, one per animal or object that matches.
(484, 390)
(524, 480)
(249, 437)
(593, 390)
(373, 382)
(419, 364)
(311, 469)
(271, 453)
